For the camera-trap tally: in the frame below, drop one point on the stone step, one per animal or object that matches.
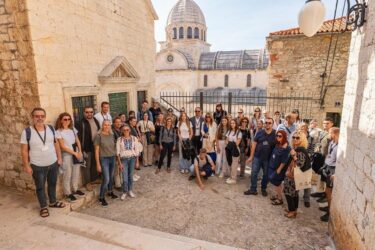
(119, 235)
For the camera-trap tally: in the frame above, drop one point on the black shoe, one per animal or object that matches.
(322, 200)
(264, 193)
(71, 198)
(325, 217)
(249, 192)
(324, 209)
(113, 196)
(79, 193)
(307, 204)
(103, 202)
(191, 177)
(318, 195)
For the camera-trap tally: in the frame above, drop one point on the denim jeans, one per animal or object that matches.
(257, 165)
(40, 176)
(127, 173)
(108, 169)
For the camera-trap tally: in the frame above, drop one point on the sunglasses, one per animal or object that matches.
(277, 114)
(197, 111)
(39, 116)
(126, 129)
(89, 112)
(268, 123)
(296, 137)
(279, 136)
(66, 119)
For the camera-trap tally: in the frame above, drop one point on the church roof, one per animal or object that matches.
(338, 25)
(189, 59)
(234, 60)
(186, 11)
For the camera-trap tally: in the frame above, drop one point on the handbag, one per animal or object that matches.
(290, 171)
(76, 149)
(302, 179)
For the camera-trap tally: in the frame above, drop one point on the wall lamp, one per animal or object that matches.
(311, 16)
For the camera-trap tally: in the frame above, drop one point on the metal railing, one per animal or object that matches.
(232, 102)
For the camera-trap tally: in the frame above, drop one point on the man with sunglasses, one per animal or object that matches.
(88, 128)
(41, 157)
(261, 149)
(197, 122)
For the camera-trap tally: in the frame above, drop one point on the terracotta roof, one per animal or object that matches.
(339, 26)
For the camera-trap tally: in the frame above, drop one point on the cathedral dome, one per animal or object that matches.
(186, 11)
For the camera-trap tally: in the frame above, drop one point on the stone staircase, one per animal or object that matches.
(22, 228)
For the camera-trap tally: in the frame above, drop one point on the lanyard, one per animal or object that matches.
(332, 146)
(105, 118)
(45, 135)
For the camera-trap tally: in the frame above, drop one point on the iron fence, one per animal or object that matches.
(232, 102)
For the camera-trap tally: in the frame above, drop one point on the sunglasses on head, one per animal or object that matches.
(296, 137)
(257, 111)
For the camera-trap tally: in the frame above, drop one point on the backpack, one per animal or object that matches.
(28, 134)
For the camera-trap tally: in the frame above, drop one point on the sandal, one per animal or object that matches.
(277, 202)
(57, 204)
(273, 197)
(44, 212)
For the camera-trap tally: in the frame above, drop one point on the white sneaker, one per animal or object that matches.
(131, 194)
(230, 181)
(182, 171)
(123, 196)
(221, 175)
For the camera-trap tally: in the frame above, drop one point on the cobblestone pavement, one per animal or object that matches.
(221, 213)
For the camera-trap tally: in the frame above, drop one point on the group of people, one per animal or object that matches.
(213, 144)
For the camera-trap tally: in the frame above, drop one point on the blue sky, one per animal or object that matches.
(241, 24)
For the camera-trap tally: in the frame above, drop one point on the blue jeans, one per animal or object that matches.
(257, 165)
(40, 176)
(108, 169)
(127, 173)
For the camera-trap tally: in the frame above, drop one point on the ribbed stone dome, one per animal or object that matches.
(186, 11)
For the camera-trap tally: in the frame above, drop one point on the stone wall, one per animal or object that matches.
(297, 62)
(74, 40)
(353, 208)
(18, 89)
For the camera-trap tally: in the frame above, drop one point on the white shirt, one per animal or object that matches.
(184, 130)
(101, 117)
(68, 136)
(41, 155)
(232, 136)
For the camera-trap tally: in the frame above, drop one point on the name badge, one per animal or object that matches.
(45, 148)
(265, 143)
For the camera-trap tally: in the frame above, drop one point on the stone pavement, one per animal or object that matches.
(22, 228)
(220, 213)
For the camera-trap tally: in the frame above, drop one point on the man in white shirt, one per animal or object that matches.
(104, 115)
(41, 157)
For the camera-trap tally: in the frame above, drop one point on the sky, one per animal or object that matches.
(242, 24)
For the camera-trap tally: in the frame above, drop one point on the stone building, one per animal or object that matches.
(185, 63)
(353, 207)
(64, 55)
(297, 65)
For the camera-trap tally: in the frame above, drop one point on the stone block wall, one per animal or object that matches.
(296, 65)
(18, 89)
(353, 208)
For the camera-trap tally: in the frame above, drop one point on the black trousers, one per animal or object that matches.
(167, 150)
(197, 143)
(292, 203)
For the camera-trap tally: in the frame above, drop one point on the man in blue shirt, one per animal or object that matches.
(261, 149)
(288, 126)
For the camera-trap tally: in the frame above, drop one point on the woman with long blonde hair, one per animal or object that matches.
(185, 133)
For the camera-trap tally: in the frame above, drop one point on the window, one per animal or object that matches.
(174, 33)
(336, 118)
(181, 33)
(248, 83)
(196, 33)
(190, 33)
(141, 96)
(205, 83)
(226, 82)
(119, 103)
